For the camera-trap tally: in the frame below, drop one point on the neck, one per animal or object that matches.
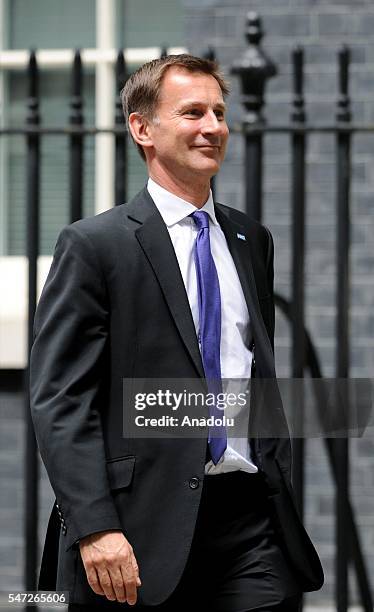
(194, 191)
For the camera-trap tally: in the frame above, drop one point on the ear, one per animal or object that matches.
(139, 128)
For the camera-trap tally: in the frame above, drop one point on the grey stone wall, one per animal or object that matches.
(321, 27)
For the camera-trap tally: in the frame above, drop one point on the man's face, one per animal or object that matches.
(189, 132)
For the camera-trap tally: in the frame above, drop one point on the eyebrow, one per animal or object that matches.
(187, 103)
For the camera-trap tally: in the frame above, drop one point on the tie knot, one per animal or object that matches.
(201, 219)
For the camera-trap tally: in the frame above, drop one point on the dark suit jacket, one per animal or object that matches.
(114, 306)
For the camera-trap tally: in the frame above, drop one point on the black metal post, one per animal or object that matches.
(298, 276)
(359, 561)
(210, 55)
(76, 142)
(343, 116)
(253, 69)
(253, 161)
(120, 185)
(32, 240)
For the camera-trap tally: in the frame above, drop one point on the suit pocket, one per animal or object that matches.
(120, 471)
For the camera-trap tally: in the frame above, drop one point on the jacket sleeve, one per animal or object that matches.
(66, 378)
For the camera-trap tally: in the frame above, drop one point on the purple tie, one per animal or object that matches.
(210, 327)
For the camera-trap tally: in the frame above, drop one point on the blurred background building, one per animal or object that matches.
(321, 27)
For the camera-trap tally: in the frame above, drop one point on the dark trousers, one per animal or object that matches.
(235, 563)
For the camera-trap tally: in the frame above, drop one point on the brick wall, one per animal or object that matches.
(12, 509)
(11, 470)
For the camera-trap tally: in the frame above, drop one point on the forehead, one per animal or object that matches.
(179, 84)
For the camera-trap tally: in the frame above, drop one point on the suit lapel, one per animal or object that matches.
(154, 239)
(240, 252)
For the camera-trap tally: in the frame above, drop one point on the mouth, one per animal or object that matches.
(207, 146)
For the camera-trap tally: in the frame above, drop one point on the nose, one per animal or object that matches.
(211, 125)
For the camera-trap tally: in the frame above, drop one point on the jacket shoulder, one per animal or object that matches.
(99, 230)
(105, 220)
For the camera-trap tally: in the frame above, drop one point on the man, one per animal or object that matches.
(168, 286)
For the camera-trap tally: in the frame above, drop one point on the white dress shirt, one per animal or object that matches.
(236, 356)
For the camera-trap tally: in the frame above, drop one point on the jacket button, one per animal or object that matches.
(194, 483)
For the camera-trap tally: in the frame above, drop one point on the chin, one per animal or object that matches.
(208, 165)
(210, 170)
(205, 173)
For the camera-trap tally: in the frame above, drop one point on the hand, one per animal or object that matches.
(110, 565)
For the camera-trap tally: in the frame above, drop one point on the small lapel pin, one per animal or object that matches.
(241, 236)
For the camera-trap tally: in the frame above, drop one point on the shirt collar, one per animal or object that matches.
(172, 208)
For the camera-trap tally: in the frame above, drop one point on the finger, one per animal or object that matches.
(106, 584)
(117, 583)
(129, 579)
(93, 580)
(136, 570)
(91, 573)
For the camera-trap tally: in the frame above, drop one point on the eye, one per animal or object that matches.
(220, 115)
(194, 112)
